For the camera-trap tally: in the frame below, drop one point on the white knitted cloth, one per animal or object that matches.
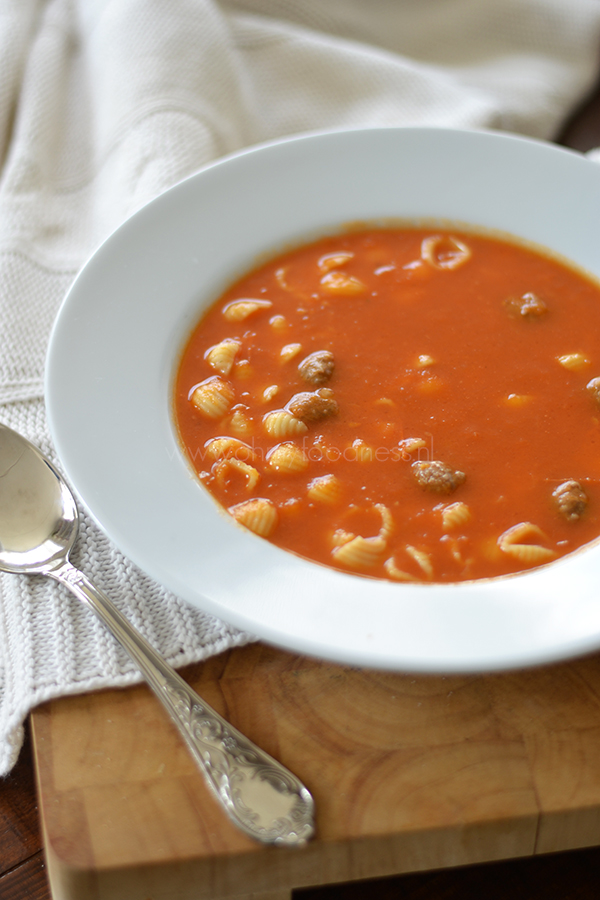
(105, 103)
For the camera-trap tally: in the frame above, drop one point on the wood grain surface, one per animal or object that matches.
(408, 772)
(529, 754)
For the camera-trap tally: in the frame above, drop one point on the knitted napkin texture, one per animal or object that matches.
(106, 103)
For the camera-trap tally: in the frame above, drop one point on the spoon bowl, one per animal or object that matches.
(38, 527)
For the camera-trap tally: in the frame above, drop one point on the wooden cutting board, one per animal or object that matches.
(409, 772)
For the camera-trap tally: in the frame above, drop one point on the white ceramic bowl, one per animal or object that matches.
(120, 330)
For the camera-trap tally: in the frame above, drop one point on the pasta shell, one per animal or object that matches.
(289, 352)
(394, 572)
(238, 310)
(360, 552)
(228, 448)
(287, 458)
(325, 489)
(334, 260)
(213, 397)
(443, 252)
(387, 521)
(241, 423)
(270, 392)
(575, 362)
(510, 543)
(281, 424)
(361, 451)
(517, 400)
(243, 370)
(422, 559)
(341, 537)
(278, 323)
(258, 515)
(224, 468)
(221, 357)
(342, 284)
(455, 515)
(411, 445)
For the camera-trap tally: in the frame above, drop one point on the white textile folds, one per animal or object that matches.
(106, 103)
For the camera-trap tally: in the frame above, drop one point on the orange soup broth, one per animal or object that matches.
(422, 352)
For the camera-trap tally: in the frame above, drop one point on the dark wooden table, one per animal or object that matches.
(561, 876)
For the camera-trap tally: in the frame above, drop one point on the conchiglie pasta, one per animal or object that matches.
(512, 543)
(238, 310)
(287, 458)
(213, 398)
(221, 356)
(325, 489)
(229, 447)
(341, 284)
(445, 251)
(360, 552)
(454, 515)
(225, 468)
(281, 424)
(258, 515)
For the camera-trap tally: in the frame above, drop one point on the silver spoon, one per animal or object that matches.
(38, 527)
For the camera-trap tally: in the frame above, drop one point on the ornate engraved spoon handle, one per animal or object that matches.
(261, 796)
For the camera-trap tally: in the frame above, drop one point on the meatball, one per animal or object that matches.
(571, 500)
(311, 407)
(317, 367)
(530, 306)
(437, 477)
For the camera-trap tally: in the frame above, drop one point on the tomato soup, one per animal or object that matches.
(404, 403)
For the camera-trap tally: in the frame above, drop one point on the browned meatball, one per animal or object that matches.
(317, 367)
(593, 387)
(311, 407)
(530, 306)
(436, 476)
(571, 500)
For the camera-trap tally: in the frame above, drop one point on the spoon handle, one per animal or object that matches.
(260, 796)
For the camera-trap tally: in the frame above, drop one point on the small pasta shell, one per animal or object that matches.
(387, 521)
(270, 392)
(289, 352)
(258, 515)
(342, 284)
(238, 310)
(517, 400)
(575, 362)
(325, 489)
(213, 397)
(287, 458)
(455, 515)
(281, 424)
(334, 260)
(243, 369)
(229, 448)
(221, 357)
(362, 452)
(422, 559)
(444, 251)
(240, 423)
(360, 552)
(341, 537)
(397, 574)
(224, 467)
(278, 323)
(510, 543)
(424, 361)
(411, 445)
